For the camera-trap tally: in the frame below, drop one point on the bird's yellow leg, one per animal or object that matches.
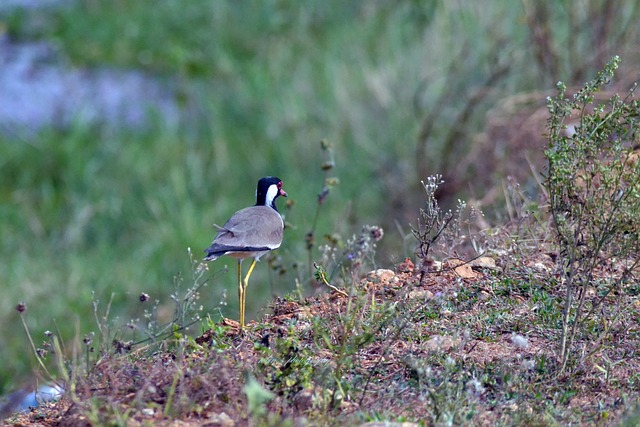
(246, 278)
(244, 288)
(240, 293)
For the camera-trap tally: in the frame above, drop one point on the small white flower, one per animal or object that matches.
(519, 341)
(474, 387)
(449, 361)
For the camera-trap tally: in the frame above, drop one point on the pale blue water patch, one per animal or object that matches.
(43, 394)
(38, 90)
(23, 400)
(30, 4)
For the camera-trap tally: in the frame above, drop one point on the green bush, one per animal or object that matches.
(593, 185)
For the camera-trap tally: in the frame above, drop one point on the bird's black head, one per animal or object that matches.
(269, 189)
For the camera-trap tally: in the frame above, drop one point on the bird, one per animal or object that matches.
(250, 233)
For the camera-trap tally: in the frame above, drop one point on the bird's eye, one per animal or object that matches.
(280, 185)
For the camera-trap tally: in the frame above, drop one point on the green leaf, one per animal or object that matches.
(257, 396)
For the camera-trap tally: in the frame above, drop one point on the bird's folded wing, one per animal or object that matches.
(257, 227)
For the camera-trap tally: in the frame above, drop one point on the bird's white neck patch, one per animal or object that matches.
(272, 193)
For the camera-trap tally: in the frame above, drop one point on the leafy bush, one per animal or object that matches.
(593, 185)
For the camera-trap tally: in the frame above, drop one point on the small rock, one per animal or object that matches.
(382, 274)
(540, 267)
(221, 419)
(303, 401)
(148, 412)
(484, 295)
(420, 294)
(388, 424)
(462, 268)
(484, 262)
(441, 343)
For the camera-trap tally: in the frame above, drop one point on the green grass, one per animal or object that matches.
(98, 211)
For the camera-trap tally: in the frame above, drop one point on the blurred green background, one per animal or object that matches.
(402, 89)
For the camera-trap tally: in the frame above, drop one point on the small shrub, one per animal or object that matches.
(445, 234)
(593, 185)
(287, 364)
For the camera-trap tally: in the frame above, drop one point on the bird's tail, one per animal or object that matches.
(211, 254)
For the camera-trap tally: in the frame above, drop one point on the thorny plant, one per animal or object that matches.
(432, 220)
(366, 320)
(438, 231)
(338, 258)
(329, 182)
(526, 231)
(188, 308)
(64, 378)
(344, 263)
(362, 321)
(112, 338)
(593, 185)
(449, 389)
(348, 261)
(187, 312)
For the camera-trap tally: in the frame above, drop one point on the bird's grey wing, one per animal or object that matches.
(257, 228)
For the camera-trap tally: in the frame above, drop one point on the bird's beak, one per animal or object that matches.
(283, 193)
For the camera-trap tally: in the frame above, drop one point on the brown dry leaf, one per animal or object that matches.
(406, 266)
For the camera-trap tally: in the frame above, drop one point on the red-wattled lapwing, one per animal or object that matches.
(251, 233)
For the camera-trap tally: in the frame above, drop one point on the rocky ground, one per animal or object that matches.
(457, 343)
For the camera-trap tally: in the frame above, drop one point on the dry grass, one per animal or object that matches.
(430, 347)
